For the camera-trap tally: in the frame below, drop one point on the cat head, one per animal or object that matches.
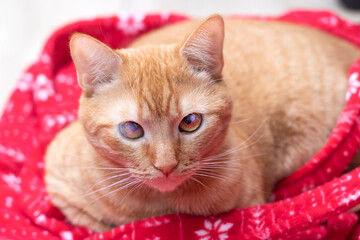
(156, 110)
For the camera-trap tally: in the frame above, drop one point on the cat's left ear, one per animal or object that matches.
(203, 49)
(96, 63)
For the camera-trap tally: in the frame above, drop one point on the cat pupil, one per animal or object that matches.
(189, 118)
(133, 126)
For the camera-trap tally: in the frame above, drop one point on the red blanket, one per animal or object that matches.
(46, 99)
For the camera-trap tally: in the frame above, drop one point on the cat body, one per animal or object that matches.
(266, 98)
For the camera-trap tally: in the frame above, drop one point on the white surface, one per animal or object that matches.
(26, 24)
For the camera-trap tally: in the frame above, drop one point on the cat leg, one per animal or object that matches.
(79, 217)
(72, 205)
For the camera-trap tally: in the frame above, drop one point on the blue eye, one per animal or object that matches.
(131, 130)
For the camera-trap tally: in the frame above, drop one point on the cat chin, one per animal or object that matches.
(164, 184)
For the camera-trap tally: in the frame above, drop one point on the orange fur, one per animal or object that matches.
(268, 101)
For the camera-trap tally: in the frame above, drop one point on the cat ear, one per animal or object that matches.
(203, 48)
(96, 64)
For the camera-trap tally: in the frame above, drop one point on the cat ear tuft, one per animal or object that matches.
(96, 64)
(203, 48)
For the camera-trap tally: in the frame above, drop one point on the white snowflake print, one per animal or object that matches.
(332, 21)
(307, 186)
(62, 78)
(153, 238)
(25, 82)
(165, 15)
(66, 235)
(12, 153)
(9, 106)
(348, 116)
(44, 58)
(12, 181)
(264, 234)
(354, 85)
(155, 222)
(131, 23)
(258, 223)
(350, 198)
(217, 230)
(43, 88)
(9, 202)
(57, 120)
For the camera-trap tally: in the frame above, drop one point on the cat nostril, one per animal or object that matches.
(165, 169)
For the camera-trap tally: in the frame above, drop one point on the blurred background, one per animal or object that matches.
(26, 24)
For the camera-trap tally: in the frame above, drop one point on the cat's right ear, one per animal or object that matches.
(96, 64)
(203, 48)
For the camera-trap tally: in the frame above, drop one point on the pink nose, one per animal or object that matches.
(165, 169)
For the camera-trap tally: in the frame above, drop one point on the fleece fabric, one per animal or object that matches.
(312, 203)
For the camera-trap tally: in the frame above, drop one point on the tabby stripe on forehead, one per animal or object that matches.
(158, 98)
(179, 83)
(157, 103)
(171, 95)
(148, 104)
(140, 105)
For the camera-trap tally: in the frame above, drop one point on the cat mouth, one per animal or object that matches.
(165, 184)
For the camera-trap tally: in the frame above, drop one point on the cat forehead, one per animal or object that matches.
(149, 54)
(164, 86)
(171, 103)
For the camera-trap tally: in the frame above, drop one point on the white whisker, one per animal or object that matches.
(238, 147)
(108, 186)
(109, 178)
(215, 176)
(118, 189)
(228, 159)
(221, 177)
(103, 168)
(199, 182)
(243, 120)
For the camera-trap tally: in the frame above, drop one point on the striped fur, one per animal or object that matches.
(267, 104)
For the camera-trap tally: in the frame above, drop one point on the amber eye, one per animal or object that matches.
(190, 123)
(131, 130)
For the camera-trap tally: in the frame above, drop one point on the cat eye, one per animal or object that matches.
(131, 130)
(190, 123)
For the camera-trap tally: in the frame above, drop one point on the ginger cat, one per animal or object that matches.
(199, 124)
